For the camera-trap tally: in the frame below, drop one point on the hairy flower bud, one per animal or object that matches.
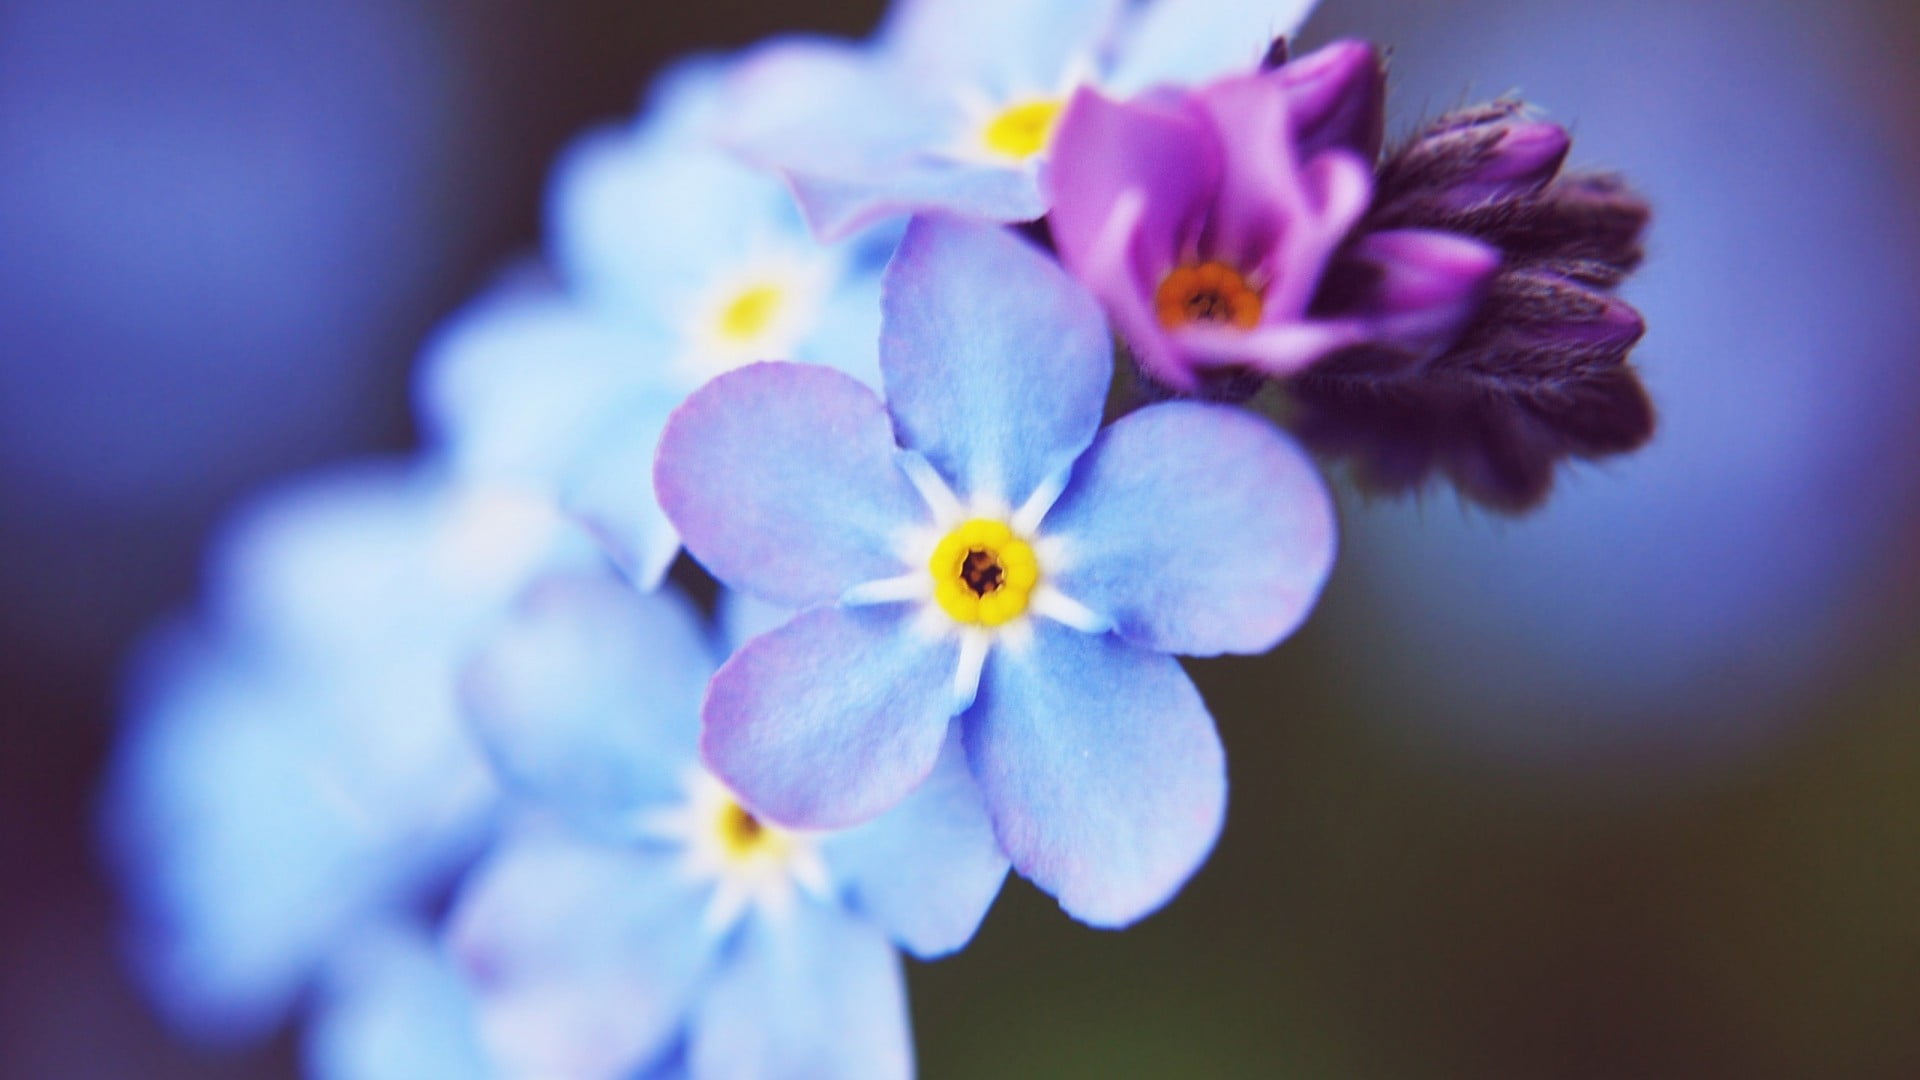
(1537, 370)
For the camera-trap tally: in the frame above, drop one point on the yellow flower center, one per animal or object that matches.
(751, 313)
(983, 574)
(1211, 292)
(1022, 130)
(743, 836)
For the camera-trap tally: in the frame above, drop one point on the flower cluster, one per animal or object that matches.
(443, 750)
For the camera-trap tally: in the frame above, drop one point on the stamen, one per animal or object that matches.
(740, 831)
(1211, 292)
(983, 573)
(1023, 130)
(752, 313)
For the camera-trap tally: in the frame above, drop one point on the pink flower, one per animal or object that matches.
(1208, 221)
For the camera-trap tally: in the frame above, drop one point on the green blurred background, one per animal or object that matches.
(1628, 790)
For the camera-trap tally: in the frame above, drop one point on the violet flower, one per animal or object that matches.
(1206, 222)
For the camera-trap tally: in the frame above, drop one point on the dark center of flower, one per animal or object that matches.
(1210, 292)
(982, 572)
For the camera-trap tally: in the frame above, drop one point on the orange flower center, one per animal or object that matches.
(1211, 292)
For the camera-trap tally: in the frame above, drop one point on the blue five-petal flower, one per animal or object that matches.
(977, 546)
(662, 919)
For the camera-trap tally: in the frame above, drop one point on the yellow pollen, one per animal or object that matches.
(1211, 292)
(983, 574)
(751, 314)
(1023, 130)
(744, 836)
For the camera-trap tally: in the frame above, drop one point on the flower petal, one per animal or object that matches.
(255, 812)
(1003, 48)
(585, 958)
(853, 132)
(996, 362)
(643, 221)
(1131, 185)
(1102, 768)
(818, 995)
(838, 206)
(534, 391)
(832, 719)
(928, 870)
(364, 564)
(589, 698)
(782, 480)
(396, 1009)
(1197, 529)
(1423, 288)
(1192, 41)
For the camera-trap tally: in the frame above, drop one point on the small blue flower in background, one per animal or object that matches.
(646, 915)
(296, 764)
(672, 264)
(394, 1006)
(953, 104)
(1008, 566)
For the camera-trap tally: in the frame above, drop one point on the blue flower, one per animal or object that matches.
(295, 764)
(394, 1006)
(1013, 565)
(672, 262)
(645, 914)
(953, 104)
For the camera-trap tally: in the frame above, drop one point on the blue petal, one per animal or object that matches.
(833, 718)
(928, 870)
(782, 480)
(1004, 48)
(863, 138)
(585, 959)
(1104, 773)
(255, 814)
(396, 1009)
(847, 335)
(372, 562)
(996, 362)
(610, 492)
(507, 385)
(1195, 41)
(1195, 529)
(816, 996)
(642, 226)
(589, 698)
(534, 391)
(743, 618)
(837, 205)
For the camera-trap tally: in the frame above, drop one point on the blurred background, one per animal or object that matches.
(1627, 788)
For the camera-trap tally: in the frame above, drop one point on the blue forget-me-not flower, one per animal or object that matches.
(295, 766)
(650, 916)
(952, 106)
(976, 546)
(672, 262)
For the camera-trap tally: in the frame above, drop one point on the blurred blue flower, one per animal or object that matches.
(394, 1006)
(1183, 528)
(644, 913)
(674, 263)
(295, 763)
(952, 106)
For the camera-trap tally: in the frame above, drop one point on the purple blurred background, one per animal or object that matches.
(1628, 788)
